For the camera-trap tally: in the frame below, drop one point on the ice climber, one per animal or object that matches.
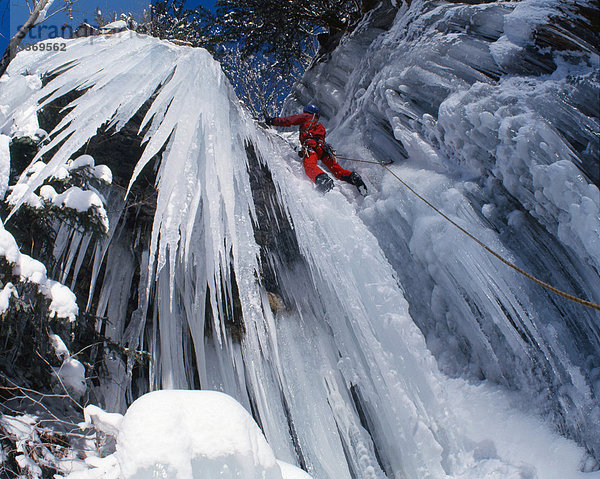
(314, 148)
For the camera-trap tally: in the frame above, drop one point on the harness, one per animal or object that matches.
(305, 150)
(326, 147)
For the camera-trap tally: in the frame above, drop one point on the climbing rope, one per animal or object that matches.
(549, 287)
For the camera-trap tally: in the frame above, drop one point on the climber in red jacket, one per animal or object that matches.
(314, 148)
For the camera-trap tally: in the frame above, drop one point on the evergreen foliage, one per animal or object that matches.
(173, 20)
(24, 332)
(284, 30)
(261, 82)
(26, 322)
(42, 211)
(264, 46)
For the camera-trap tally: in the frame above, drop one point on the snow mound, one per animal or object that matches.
(117, 26)
(71, 376)
(189, 434)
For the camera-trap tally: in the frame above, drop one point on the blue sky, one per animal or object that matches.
(13, 14)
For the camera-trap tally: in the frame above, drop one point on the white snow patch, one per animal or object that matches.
(59, 346)
(7, 292)
(21, 193)
(48, 193)
(72, 376)
(117, 26)
(186, 434)
(63, 302)
(103, 173)
(82, 201)
(82, 161)
(61, 173)
(4, 164)
(193, 434)
(78, 199)
(106, 422)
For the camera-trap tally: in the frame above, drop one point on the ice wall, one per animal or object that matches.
(488, 111)
(294, 303)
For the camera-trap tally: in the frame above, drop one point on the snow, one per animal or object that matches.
(30, 269)
(4, 164)
(5, 294)
(8, 246)
(63, 303)
(106, 422)
(48, 193)
(22, 430)
(60, 349)
(74, 198)
(17, 110)
(115, 26)
(82, 201)
(195, 434)
(83, 161)
(61, 173)
(103, 173)
(71, 375)
(186, 434)
(78, 199)
(21, 193)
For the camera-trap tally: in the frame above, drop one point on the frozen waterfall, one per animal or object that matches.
(367, 337)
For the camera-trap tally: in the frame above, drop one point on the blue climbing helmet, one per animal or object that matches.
(310, 108)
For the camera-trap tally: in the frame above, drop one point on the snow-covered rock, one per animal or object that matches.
(113, 27)
(103, 421)
(185, 435)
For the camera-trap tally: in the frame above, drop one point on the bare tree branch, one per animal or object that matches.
(33, 20)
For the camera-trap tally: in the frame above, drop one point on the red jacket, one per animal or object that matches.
(310, 128)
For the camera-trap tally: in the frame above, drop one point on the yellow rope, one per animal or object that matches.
(549, 287)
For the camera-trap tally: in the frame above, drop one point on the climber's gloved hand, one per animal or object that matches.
(268, 120)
